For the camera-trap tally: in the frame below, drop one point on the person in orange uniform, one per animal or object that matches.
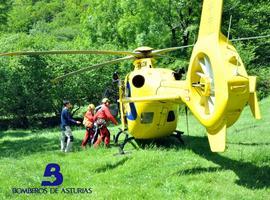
(88, 122)
(102, 116)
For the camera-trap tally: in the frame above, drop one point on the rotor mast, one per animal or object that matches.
(146, 59)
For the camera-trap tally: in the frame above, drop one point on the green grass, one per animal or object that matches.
(158, 172)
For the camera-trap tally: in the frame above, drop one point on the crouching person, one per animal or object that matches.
(102, 116)
(66, 122)
(88, 122)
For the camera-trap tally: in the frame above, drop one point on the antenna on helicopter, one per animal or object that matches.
(229, 29)
(187, 124)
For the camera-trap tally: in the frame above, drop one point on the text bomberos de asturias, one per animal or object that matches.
(51, 190)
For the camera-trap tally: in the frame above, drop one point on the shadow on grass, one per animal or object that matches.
(166, 143)
(199, 170)
(15, 134)
(19, 145)
(250, 144)
(24, 147)
(250, 175)
(109, 166)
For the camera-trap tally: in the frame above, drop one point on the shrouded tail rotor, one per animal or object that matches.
(218, 84)
(204, 83)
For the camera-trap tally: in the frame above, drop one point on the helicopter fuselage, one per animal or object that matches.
(150, 118)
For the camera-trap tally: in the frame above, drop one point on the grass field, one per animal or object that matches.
(158, 172)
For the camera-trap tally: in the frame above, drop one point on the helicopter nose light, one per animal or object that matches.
(138, 81)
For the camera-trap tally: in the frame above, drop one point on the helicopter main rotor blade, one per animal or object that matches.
(250, 38)
(55, 52)
(92, 67)
(162, 51)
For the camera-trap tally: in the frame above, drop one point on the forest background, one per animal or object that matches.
(27, 94)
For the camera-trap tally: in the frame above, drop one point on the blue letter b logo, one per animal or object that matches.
(56, 173)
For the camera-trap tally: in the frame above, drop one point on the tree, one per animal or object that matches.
(38, 25)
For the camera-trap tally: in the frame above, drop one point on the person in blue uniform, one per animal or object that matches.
(66, 122)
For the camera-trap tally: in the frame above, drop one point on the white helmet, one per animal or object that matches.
(105, 100)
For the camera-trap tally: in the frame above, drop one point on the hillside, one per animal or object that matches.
(157, 172)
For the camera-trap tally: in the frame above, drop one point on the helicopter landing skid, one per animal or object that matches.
(178, 135)
(126, 140)
(115, 138)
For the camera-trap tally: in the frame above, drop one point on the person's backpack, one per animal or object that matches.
(87, 123)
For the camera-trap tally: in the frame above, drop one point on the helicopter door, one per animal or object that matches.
(163, 116)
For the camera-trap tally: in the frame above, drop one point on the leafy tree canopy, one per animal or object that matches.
(25, 85)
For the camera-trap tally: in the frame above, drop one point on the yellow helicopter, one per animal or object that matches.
(216, 89)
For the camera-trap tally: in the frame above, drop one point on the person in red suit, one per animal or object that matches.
(101, 118)
(88, 122)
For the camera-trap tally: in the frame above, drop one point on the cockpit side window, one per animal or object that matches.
(171, 116)
(147, 117)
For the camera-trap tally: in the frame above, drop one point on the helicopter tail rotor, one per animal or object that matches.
(218, 83)
(205, 85)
